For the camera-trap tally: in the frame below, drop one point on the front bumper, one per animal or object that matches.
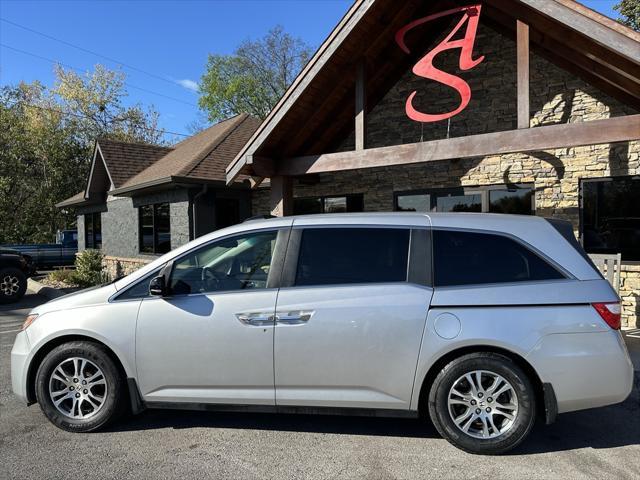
(20, 366)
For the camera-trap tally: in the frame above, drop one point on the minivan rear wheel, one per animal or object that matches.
(79, 388)
(482, 403)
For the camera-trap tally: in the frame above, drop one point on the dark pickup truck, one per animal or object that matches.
(15, 268)
(48, 255)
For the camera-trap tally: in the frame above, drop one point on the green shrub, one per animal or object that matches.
(89, 270)
(65, 276)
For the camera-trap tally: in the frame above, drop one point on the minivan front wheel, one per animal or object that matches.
(482, 403)
(78, 387)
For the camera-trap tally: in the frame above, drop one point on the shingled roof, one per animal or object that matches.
(125, 160)
(201, 158)
(123, 168)
(114, 162)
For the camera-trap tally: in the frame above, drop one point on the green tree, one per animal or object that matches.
(254, 77)
(46, 137)
(94, 107)
(630, 11)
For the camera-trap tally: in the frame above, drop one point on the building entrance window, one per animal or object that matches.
(610, 216)
(516, 199)
(332, 204)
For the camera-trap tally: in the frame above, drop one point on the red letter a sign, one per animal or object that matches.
(424, 68)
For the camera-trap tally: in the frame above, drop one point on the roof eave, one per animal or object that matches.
(166, 182)
(343, 28)
(127, 191)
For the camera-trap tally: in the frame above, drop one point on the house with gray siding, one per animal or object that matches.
(141, 201)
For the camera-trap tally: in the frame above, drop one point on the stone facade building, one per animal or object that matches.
(556, 181)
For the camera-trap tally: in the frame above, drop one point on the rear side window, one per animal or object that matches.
(470, 258)
(330, 256)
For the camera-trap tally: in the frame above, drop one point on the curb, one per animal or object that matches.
(49, 293)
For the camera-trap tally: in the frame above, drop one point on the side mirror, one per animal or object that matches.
(157, 286)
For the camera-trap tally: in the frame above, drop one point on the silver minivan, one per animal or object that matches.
(484, 323)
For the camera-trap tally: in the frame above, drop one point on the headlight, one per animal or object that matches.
(29, 320)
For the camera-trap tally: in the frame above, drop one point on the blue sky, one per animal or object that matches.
(167, 39)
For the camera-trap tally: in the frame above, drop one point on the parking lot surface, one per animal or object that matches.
(158, 444)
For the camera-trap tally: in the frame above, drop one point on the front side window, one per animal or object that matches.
(471, 258)
(330, 256)
(139, 289)
(237, 263)
(337, 204)
(93, 230)
(611, 216)
(517, 199)
(155, 228)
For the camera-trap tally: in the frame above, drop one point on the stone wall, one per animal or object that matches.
(120, 229)
(80, 227)
(556, 97)
(630, 295)
(118, 266)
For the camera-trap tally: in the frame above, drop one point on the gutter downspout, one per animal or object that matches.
(205, 187)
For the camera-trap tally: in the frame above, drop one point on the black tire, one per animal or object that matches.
(441, 417)
(10, 279)
(113, 393)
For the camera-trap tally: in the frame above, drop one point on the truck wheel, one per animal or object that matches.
(13, 284)
(482, 403)
(79, 388)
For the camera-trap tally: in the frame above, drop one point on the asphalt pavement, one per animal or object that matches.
(601, 443)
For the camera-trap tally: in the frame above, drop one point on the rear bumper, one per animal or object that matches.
(19, 366)
(586, 370)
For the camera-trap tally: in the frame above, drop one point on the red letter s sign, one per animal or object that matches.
(424, 68)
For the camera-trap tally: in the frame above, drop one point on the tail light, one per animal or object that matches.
(610, 313)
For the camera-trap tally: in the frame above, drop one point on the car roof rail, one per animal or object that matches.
(259, 217)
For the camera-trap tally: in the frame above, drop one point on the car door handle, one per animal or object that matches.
(257, 319)
(294, 318)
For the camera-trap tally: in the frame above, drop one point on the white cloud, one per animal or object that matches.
(188, 84)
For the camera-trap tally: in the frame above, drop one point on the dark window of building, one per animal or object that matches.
(611, 216)
(330, 256)
(155, 228)
(227, 212)
(494, 198)
(237, 263)
(337, 204)
(470, 202)
(515, 201)
(93, 230)
(469, 258)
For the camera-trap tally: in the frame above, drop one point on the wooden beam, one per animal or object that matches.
(360, 92)
(302, 81)
(579, 43)
(595, 71)
(261, 166)
(281, 196)
(618, 129)
(589, 26)
(255, 182)
(523, 74)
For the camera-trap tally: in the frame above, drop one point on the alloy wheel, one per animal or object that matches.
(483, 404)
(77, 388)
(10, 285)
